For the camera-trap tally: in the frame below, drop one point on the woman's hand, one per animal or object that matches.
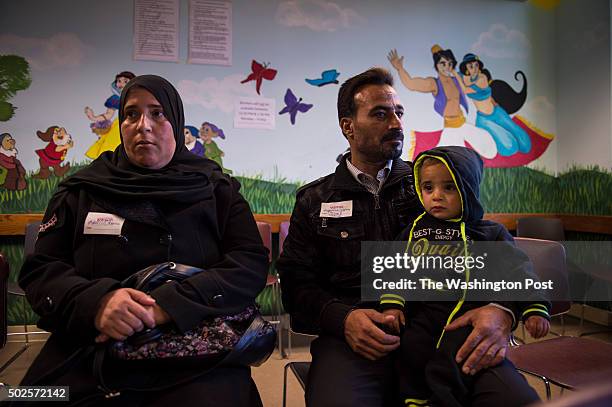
(125, 311)
(159, 315)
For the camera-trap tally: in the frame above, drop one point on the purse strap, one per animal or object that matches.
(255, 329)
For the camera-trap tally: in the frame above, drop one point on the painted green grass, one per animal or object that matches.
(579, 190)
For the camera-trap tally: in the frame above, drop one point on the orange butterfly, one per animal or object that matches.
(259, 73)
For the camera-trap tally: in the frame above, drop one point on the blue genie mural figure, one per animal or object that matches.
(495, 101)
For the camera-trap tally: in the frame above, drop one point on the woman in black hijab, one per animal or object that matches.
(148, 202)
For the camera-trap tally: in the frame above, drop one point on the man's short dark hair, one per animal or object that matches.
(346, 95)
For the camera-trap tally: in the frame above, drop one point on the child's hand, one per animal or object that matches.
(398, 321)
(537, 326)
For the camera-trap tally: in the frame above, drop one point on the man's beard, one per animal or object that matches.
(9, 153)
(392, 154)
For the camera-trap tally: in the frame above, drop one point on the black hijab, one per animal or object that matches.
(185, 179)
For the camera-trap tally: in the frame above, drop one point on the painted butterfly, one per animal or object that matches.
(294, 106)
(327, 77)
(260, 72)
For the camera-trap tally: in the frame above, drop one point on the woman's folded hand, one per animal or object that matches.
(125, 311)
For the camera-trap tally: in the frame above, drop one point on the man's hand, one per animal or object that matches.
(487, 343)
(399, 320)
(365, 338)
(123, 312)
(396, 61)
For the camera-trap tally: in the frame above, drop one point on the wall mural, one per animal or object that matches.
(53, 155)
(14, 77)
(500, 140)
(103, 124)
(12, 172)
(483, 84)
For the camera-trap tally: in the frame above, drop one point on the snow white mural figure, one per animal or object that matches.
(107, 130)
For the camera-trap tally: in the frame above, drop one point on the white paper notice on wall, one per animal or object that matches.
(255, 113)
(156, 30)
(210, 32)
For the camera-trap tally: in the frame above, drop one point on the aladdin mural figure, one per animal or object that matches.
(494, 101)
(448, 99)
(12, 173)
(107, 130)
(192, 142)
(207, 132)
(52, 156)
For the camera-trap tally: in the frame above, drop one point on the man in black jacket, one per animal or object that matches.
(369, 197)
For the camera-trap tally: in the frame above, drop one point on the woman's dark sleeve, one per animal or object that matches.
(229, 285)
(65, 300)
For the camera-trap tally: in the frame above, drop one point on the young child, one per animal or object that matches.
(447, 181)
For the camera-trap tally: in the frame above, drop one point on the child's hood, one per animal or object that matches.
(466, 166)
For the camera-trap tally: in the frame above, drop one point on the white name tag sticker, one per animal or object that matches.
(100, 223)
(342, 209)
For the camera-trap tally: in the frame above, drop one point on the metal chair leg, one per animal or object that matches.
(285, 385)
(548, 392)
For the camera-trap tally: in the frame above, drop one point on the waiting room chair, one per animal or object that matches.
(282, 235)
(552, 229)
(4, 275)
(300, 370)
(540, 228)
(272, 281)
(598, 395)
(569, 362)
(13, 288)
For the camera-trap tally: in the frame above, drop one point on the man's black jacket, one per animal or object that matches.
(320, 263)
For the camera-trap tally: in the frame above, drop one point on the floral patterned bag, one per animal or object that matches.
(213, 337)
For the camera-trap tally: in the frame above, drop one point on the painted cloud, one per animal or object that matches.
(212, 93)
(501, 42)
(62, 50)
(318, 15)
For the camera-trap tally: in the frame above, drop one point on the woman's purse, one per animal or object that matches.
(243, 339)
(213, 337)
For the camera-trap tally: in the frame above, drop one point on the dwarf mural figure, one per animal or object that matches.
(208, 131)
(12, 173)
(52, 156)
(192, 141)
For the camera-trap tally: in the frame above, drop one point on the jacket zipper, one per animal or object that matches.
(376, 201)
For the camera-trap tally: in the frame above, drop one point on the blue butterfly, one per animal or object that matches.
(327, 77)
(294, 106)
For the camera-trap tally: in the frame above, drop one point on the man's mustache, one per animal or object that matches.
(393, 135)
